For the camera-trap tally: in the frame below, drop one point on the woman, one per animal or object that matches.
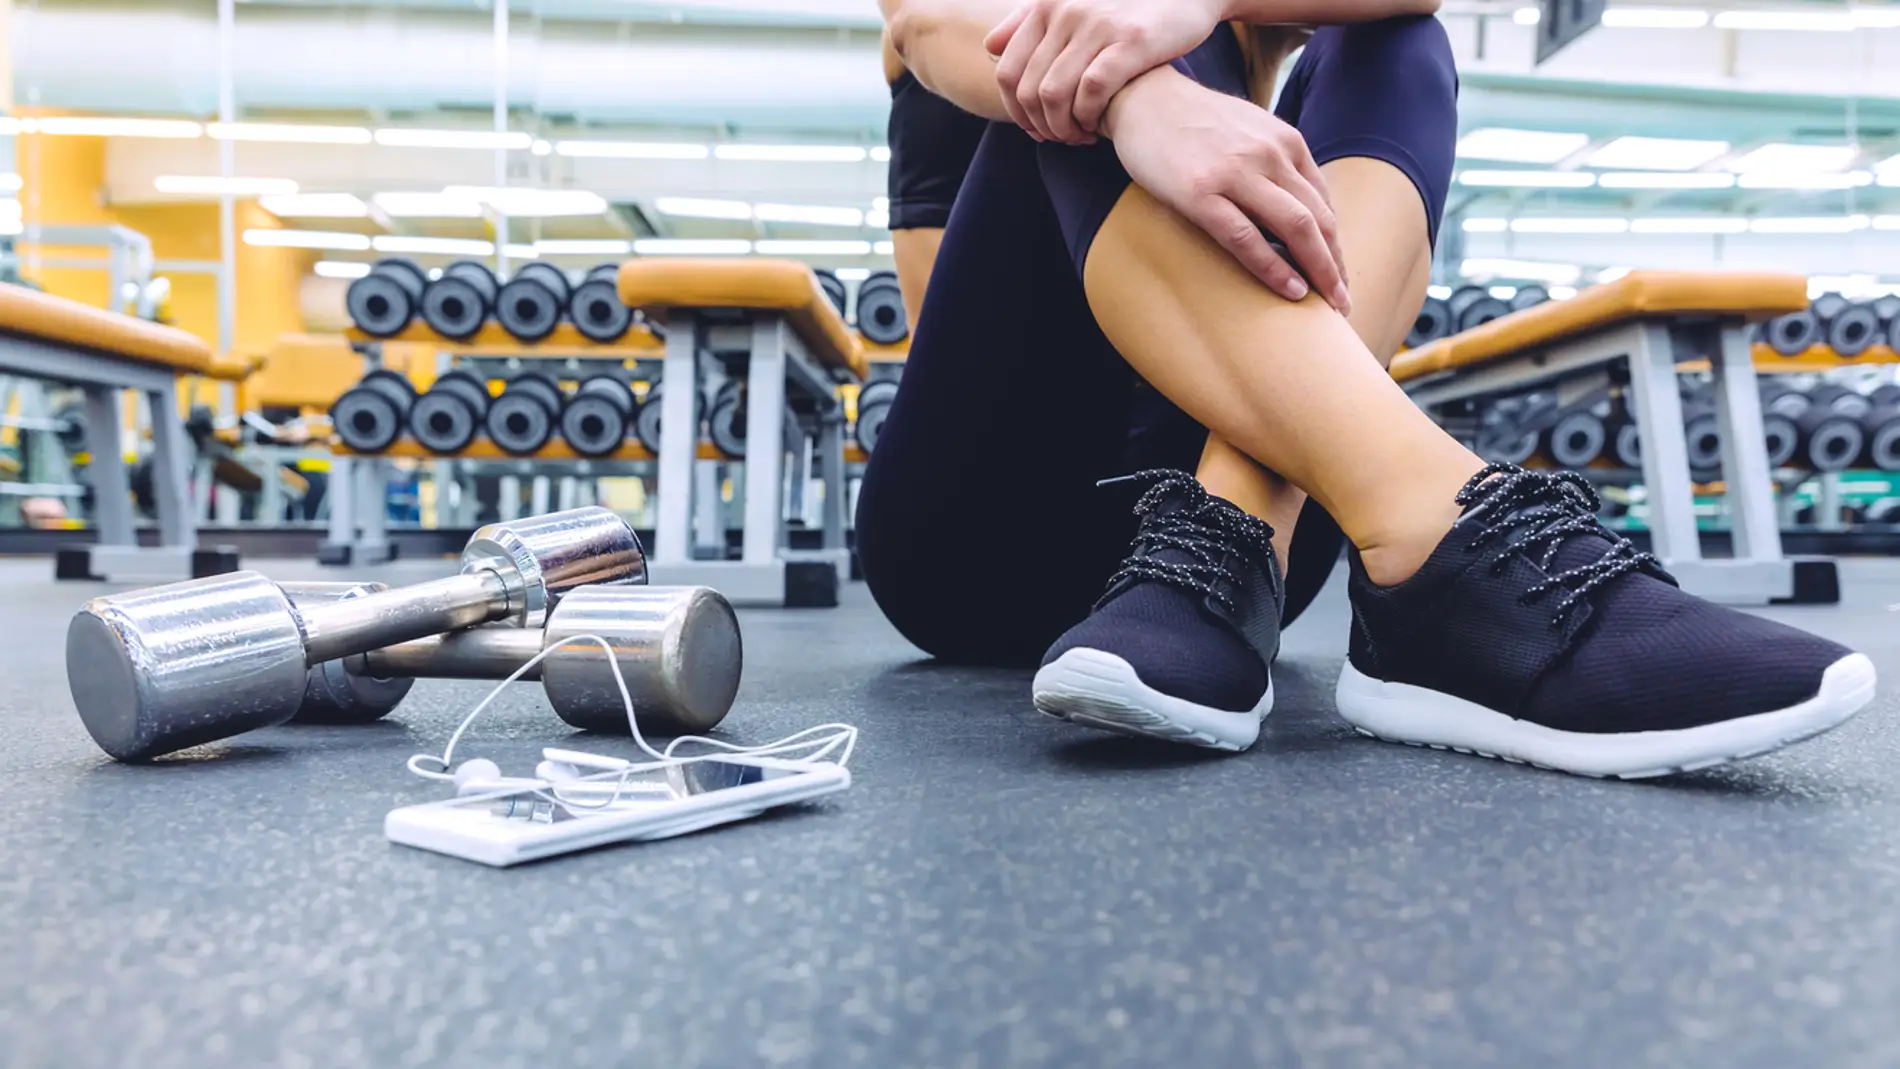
(1106, 298)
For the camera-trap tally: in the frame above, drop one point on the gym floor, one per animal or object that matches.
(996, 888)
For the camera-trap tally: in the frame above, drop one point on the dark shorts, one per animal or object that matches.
(932, 143)
(980, 528)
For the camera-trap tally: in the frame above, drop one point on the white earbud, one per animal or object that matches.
(478, 768)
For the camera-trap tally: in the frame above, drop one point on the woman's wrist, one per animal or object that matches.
(1142, 92)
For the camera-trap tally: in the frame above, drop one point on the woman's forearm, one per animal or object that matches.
(941, 41)
(1324, 12)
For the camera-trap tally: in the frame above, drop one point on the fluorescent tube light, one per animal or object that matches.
(307, 239)
(316, 206)
(341, 269)
(1655, 154)
(812, 248)
(214, 185)
(701, 208)
(488, 139)
(630, 150)
(1519, 146)
(691, 247)
(432, 246)
(288, 133)
(792, 153)
(1528, 179)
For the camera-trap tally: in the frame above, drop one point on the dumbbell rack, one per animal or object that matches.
(357, 517)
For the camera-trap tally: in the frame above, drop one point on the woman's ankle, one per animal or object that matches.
(1397, 546)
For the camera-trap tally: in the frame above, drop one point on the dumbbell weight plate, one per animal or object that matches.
(874, 407)
(1482, 311)
(1853, 330)
(476, 274)
(602, 273)
(369, 416)
(1575, 440)
(528, 309)
(1781, 438)
(725, 421)
(1627, 447)
(1832, 443)
(552, 277)
(1529, 297)
(595, 421)
(1433, 322)
(447, 418)
(1882, 428)
(454, 308)
(1792, 334)
(384, 301)
(597, 312)
(1827, 305)
(881, 310)
(833, 287)
(1704, 439)
(523, 419)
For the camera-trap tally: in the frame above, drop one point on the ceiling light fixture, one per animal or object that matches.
(1825, 224)
(701, 208)
(812, 248)
(1528, 179)
(792, 153)
(1784, 158)
(427, 206)
(307, 239)
(488, 139)
(806, 213)
(288, 133)
(630, 150)
(95, 126)
(1519, 146)
(1689, 225)
(691, 247)
(1533, 270)
(1654, 18)
(1655, 153)
(583, 247)
(341, 269)
(532, 203)
(432, 246)
(1666, 180)
(213, 185)
(1780, 180)
(316, 206)
(1570, 225)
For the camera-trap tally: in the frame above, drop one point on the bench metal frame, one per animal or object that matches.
(102, 376)
(1758, 573)
(776, 361)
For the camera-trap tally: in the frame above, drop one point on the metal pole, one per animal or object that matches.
(501, 127)
(227, 168)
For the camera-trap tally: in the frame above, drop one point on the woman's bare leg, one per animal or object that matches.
(915, 251)
(1386, 245)
(1292, 386)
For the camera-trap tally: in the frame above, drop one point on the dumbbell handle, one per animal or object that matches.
(356, 625)
(484, 653)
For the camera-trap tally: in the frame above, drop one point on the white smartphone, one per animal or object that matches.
(508, 828)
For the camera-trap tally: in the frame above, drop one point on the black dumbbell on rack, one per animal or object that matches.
(457, 304)
(881, 309)
(369, 416)
(446, 418)
(595, 306)
(1473, 306)
(1433, 322)
(385, 301)
(874, 406)
(530, 306)
(524, 417)
(598, 416)
(726, 418)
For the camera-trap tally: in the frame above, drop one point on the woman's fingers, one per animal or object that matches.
(999, 37)
(1015, 58)
(1111, 69)
(1322, 207)
(1229, 226)
(1061, 86)
(1033, 91)
(1287, 218)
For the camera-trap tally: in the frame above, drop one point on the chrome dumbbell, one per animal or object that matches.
(158, 670)
(678, 648)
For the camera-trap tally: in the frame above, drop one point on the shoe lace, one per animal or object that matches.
(1205, 527)
(1550, 509)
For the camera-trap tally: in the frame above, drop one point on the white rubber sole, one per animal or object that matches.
(1400, 712)
(1100, 690)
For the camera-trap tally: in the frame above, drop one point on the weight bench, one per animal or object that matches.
(1649, 322)
(103, 353)
(768, 323)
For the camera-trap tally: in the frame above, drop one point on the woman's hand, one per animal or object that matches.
(1061, 61)
(1232, 169)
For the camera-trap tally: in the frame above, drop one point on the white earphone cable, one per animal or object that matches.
(821, 740)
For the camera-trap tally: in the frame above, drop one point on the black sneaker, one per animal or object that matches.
(1180, 645)
(1536, 635)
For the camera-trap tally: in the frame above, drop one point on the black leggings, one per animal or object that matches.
(980, 528)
